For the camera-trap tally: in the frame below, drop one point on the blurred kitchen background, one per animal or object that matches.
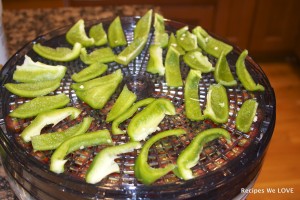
(269, 29)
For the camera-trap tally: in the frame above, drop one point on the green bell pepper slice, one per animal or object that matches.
(97, 97)
(246, 115)
(32, 72)
(90, 72)
(123, 102)
(172, 66)
(131, 51)
(75, 143)
(161, 38)
(189, 157)
(40, 104)
(222, 72)
(98, 34)
(33, 89)
(104, 164)
(103, 55)
(145, 122)
(129, 113)
(108, 79)
(174, 44)
(77, 34)
(63, 54)
(186, 39)
(209, 44)
(155, 64)
(143, 26)
(46, 118)
(196, 60)
(50, 141)
(191, 96)
(116, 36)
(145, 173)
(244, 76)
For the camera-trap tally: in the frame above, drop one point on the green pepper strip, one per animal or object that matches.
(50, 141)
(129, 113)
(39, 105)
(173, 43)
(63, 54)
(142, 170)
(244, 75)
(222, 72)
(191, 96)
(196, 60)
(145, 122)
(186, 39)
(110, 78)
(245, 115)
(131, 51)
(75, 143)
(116, 36)
(98, 33)
(104, 164)
(143, 26)
(172, 66)
(155, 64)
(103, 55)
(160, 36)
(46, 118)
(32, 72)
(209, 44)
(189, 157)
(90, 72)
(124, 101)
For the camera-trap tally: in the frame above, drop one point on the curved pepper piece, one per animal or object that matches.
(90, 72)
(50, 141)
(160, 36)
(174, 44)
(143, 26)
(145, 122)
(33, 89)
(209, 44)
(103, 55)
(75, 143)
(39, 105)
(186, 39)
(244, 76)
(98, 34)
(222, 72)
(172, 66)
(32, 72)
(142, 170)
(77, 34)
(46, 118)
(104, 164)
(217, 108)
(245, 115)
(129, 113)
(63, 54)
(155, 64)
(123, 102)
(191, 96)
(97, 92)
(189, 157)
(116, 36)
(196, 60)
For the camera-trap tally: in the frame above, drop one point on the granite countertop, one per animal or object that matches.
(23, 26)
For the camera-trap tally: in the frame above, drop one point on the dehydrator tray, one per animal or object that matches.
(223, 168)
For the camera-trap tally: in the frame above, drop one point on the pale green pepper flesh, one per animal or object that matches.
(90, 72)
(172, 66)
(116, 36)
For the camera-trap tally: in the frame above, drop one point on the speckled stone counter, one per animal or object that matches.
(23, 26)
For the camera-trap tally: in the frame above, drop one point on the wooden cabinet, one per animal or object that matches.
(264, 27)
